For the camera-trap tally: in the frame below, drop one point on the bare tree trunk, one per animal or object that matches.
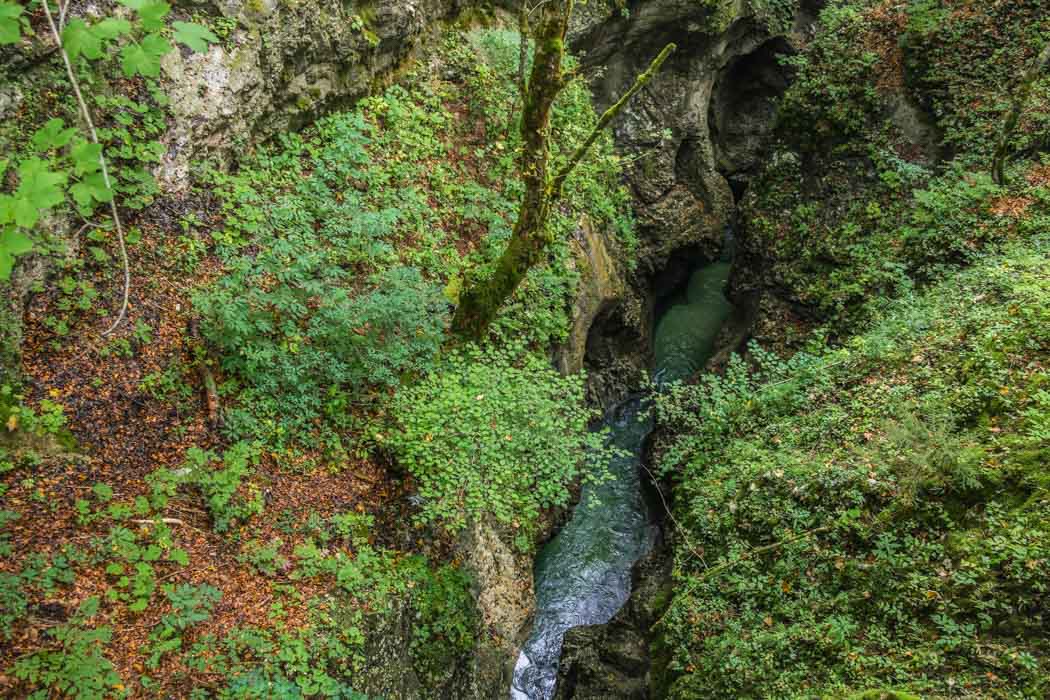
(481, 300)
(523, 47)
(1013, 117)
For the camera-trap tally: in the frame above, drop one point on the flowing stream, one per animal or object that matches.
(583, 575)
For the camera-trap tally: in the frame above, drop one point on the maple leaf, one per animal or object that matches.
(144, 58)
(195, 36)
(10, 25)
(12, 244)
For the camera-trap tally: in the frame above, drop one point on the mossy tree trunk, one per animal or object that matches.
(480, 300)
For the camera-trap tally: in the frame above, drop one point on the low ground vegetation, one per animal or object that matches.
(867, 508)
(252, 545)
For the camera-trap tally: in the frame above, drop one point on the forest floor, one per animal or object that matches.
(125, 429)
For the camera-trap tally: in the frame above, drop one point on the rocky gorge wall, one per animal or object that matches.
(690, 142)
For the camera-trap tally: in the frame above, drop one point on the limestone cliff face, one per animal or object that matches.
(699, 123)
(285, 64)
(689, 139)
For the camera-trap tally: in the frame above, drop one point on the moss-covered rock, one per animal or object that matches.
(283, 65)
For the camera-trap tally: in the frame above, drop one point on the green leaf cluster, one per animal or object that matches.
(493, 434)
(73, 166)
(361, 221)
(229, 496)
(74, 664)
(189, 606)
(10, 22)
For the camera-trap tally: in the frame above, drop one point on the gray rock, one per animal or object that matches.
(699, 125)
(684, 133)
(286, 64)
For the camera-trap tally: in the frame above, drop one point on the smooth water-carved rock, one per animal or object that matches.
(603, 287)
(700, 123)
(664, 129)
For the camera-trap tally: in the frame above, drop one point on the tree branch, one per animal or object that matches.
(157, 521)
(85, 114)
(558, 184)
(523, 48)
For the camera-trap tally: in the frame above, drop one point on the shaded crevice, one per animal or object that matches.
(743, 109)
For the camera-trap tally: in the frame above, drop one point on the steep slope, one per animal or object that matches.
(868, 508)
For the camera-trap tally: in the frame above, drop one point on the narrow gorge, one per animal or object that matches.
(765, 416)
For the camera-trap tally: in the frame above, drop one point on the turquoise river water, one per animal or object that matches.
(583, 575)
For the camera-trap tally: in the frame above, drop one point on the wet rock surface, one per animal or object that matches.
(691, 140)
(676, 133)
(615, 660)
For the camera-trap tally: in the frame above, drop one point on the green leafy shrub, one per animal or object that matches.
(872, 515)
(74, 666)
(339, 241)
(250, 663)
(61, 167)
(833, 99)
(950, 222)
(963, 67)
(264, 556)
(854, 205)
(493, 434)
(296, 340)
(446, 618)
(189, 605)
(13, 602)
(377, 591)
(47, 420)
(228, 498)
(354, 528)
(777, 15)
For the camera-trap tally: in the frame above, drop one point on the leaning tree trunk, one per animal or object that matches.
(479, 301)
(1013, 117)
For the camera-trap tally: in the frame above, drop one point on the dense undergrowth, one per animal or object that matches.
(901, 481)
(368, 223)
(873, 512)
(323, 268)
(857, 203)
(342, 250)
